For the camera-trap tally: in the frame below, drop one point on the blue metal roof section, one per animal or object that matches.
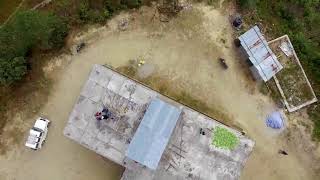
(260, 54)
(153, 133)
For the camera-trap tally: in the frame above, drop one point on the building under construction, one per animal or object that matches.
(150, 135)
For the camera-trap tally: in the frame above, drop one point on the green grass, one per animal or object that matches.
(163, 85)
(294, 85)
(6, 8)
(214, 3)
(224, 139)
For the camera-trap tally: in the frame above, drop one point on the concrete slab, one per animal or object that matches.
(93, 91)
(188, 154)
(100, 76)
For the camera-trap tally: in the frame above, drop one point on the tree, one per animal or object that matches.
(27, 30)
(249, 4)
(12, 70)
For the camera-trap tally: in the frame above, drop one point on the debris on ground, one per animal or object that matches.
(282, 152)
(123, 24)
(80, 47)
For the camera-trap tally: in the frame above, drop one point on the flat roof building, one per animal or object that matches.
(150, 135)
(264, 62)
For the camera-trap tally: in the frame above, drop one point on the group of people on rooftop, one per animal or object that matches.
(104, 114)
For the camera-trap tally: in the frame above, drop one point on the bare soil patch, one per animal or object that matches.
(6, 8)
(183, 54)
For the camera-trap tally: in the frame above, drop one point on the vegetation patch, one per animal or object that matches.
(25, 31)
(291, 78)
(224, 139)
(294, 85)
(167, 87)
(80, 12)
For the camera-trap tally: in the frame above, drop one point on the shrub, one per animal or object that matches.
(86, 13)
(83, 11)
(12, 70)
(249, 4)
(131, 3)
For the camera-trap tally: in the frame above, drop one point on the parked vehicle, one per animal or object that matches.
(223, 63)
(38, 134)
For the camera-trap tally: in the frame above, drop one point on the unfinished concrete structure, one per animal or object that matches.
(284, 50)
(186, 154)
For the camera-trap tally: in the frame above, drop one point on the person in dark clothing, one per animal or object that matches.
(202, 132)
(105, 111)
(282, 152)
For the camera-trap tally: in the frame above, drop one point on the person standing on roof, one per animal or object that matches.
(105, 113)
(98, 116)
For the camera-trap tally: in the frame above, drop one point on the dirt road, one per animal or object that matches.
(185, 50)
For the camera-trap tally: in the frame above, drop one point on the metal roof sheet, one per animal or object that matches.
(153, 133)
(260, 53)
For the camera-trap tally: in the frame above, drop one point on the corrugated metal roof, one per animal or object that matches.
(153, 133)
(260, 53)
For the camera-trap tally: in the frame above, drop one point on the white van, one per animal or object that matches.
(38, 134)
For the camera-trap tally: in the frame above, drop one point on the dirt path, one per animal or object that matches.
(185, 50)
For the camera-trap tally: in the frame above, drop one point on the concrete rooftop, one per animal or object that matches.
(188, 154)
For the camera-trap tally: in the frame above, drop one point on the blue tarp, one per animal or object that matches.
(275, 121)
(153, 133)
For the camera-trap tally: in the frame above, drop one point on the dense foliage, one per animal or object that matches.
(222, 138)
(12, 70)
(27, 30)
(45, 31)
(91, 11)
(300, 19)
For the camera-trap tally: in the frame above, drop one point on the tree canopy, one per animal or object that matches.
(27, 30)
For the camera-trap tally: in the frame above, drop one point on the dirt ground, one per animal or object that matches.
(185, 51)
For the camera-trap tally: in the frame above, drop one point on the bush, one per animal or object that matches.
(89, 14)
(12, 70)
(83, 11)
(131, 3)
(27, 30)
(249, 4)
